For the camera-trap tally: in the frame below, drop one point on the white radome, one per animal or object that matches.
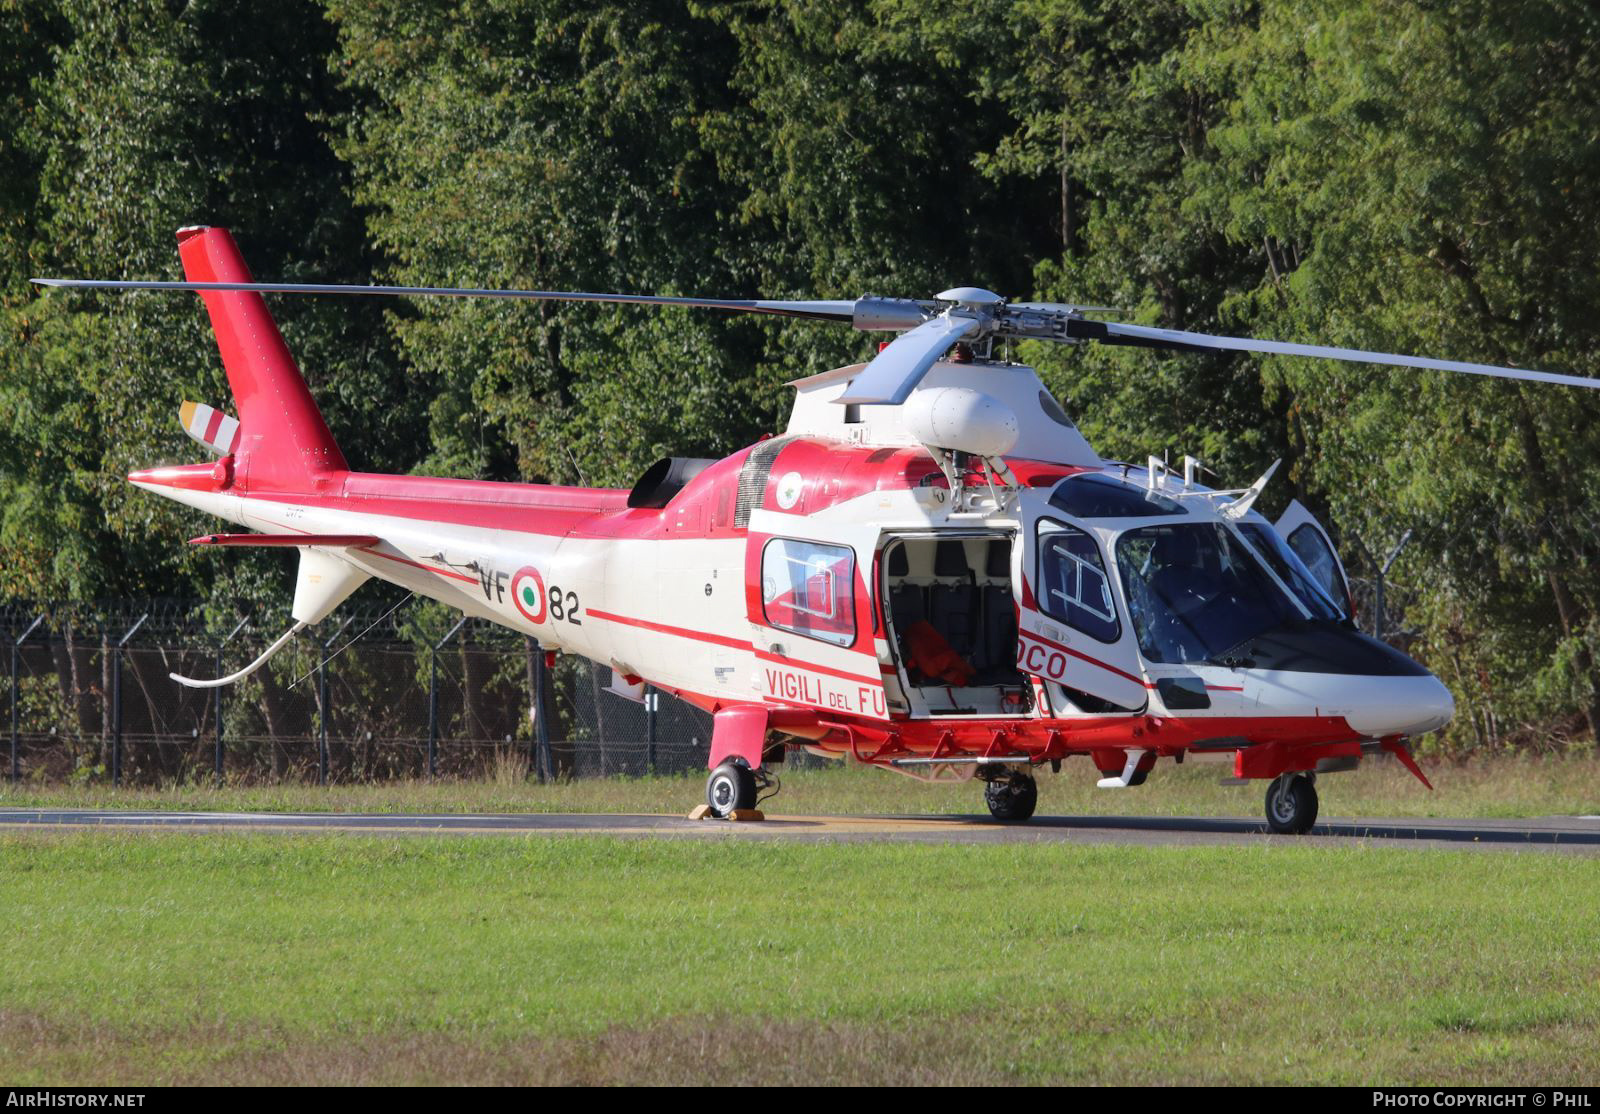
(962, 419)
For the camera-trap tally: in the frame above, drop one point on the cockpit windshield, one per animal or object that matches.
(1196, 592)
(1272, 549)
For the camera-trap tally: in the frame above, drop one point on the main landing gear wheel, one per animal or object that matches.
(1011, 796)
(1292, 804)
(731, 786)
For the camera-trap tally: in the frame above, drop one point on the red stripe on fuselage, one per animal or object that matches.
(554, 511)
(526, 508)
(1085, 657)
(663, 628)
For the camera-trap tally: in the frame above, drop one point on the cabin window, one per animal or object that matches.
(1072, 582)
(1197, 593)
(809, 588)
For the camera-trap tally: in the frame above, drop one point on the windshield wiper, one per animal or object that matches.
(1232, 658)
(1237, 656)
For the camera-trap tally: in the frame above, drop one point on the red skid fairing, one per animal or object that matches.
(1273, 744)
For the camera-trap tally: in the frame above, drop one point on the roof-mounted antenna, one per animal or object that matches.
(1238, 508)
(1156, 473)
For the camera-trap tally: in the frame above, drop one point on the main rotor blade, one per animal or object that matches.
(896, 371)
(820, 311)
(1063, 307)
(1108, 332)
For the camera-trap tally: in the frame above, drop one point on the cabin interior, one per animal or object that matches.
(953, 625)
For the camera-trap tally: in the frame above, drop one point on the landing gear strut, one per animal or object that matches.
(1011, 796)
(731, 785)
(1292, 804)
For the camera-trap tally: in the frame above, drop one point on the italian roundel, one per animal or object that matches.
(527, 594)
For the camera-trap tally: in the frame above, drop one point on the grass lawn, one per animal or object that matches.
(1503, 787)
(174, 958)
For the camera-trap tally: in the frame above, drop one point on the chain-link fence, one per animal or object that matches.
(369, 694)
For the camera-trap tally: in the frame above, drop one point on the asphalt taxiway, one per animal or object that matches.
(1573, 834)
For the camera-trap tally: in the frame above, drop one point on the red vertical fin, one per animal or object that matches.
(282, 437)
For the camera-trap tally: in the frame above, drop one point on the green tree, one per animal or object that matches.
(549, 145)
(149, 116)
(1422, 178)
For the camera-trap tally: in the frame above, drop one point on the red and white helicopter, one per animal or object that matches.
(929, 569)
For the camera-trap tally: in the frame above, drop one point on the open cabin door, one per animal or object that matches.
(950, 614)
(811, 615)
(1071, 628)
(1310, 542)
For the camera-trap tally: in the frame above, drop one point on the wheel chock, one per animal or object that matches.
(703, 812)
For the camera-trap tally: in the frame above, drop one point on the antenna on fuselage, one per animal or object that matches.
(1238, 508)
(247, 670)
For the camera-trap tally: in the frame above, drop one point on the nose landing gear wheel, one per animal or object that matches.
(1011, 796)
(1291, 804)
(730, 786)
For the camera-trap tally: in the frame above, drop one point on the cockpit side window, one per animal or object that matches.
(809, 588)
(1072, 582)
(1308, 545)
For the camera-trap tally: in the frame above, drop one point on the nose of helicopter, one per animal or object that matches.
(1332, 671)
(1401, 706)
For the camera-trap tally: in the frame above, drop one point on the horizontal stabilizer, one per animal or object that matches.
(215, 430)
(337, 541)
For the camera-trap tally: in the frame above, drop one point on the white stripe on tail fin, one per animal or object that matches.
(215, 430)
